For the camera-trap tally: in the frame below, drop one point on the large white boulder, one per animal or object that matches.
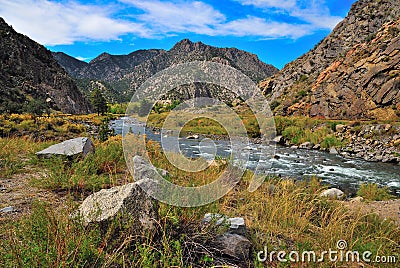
(333, 193)
(127, 200)
(72, 147)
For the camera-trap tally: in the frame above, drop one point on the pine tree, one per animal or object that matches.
(99, 103)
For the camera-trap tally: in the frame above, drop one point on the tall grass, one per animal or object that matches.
(16, 153)
(101, 169)
(281, 215)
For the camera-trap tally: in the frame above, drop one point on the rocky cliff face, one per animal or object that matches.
(28, 71)
(125, 73)
(352, 73)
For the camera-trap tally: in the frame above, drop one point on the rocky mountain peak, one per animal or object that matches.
(127, 72)
(102, 57)
(186, 45)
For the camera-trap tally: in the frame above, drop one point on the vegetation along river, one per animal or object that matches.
(344, 173)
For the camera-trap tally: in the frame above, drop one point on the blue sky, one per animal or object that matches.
(278, 31)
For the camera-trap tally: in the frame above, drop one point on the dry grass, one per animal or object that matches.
(281, 214)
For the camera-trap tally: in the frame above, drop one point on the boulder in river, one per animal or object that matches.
(333, 150)
(193, 137)
(278, 139)
(306, 145)
(72, 147)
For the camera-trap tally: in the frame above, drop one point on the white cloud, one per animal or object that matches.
(313, 12)
(81, 58)
(270, 3)
(168, 17)
(52, 23)
(200, 18)
(253, 26)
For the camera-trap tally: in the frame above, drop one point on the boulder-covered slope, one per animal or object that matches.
(352, 73)
(29, 72)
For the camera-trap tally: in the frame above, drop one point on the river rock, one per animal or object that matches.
(357, 199)
(234, 245)
(340, 128)
(317, 146)
(333, 193)
(193, 137)
(128, 200)
(278, 139)
(306, 145)
(333, 150)
(7, 209)
(236, 224)
(72, 147)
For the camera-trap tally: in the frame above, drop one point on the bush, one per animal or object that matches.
(274, 104)
(331, 141)
(372, 191)
(293, 133)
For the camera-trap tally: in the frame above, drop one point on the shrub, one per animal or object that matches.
(274, 104)
(301, 94)
(293, 133)
(331, 141)
(372, 191)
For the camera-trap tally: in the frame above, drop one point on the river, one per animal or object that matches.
(344, 173)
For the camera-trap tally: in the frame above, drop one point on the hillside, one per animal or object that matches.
(29, 72)
(352, 73)
(125, 73)
(104, 67)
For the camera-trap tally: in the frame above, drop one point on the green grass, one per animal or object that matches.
(101, 169)
(204, 125)
(16, 153)
(54, 127)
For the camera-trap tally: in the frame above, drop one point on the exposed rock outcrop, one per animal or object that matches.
(29, 71)
(352, 73)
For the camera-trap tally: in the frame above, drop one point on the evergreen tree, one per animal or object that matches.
(98, 102)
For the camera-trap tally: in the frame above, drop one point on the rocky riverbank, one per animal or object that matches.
(372, 142)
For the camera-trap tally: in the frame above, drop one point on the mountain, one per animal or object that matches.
(125, 73)
(29, 72)
(352, 73)
(104, 67)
